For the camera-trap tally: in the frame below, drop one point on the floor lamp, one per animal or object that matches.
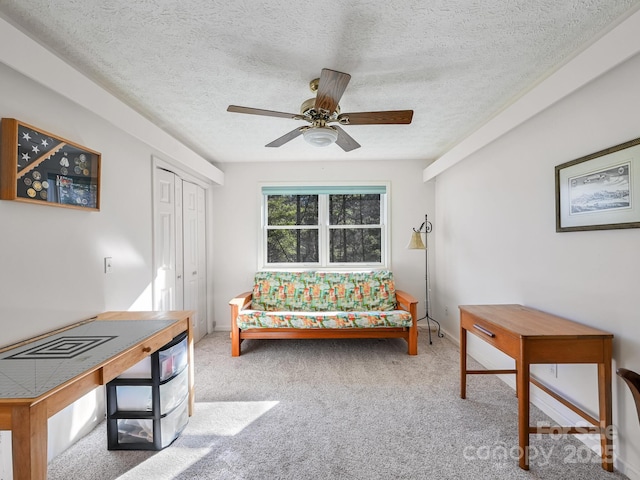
(416, 243)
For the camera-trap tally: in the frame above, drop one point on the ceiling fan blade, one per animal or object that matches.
(266, 113)
(286, 137)
(330, 89)
(344, 140)
(376, 118)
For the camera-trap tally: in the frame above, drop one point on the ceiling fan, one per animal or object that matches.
(323, 110)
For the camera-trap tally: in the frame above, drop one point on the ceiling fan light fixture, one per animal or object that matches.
(320, 136)
(323, 109)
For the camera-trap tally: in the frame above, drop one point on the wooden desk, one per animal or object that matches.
(42, 376)
(530, 336)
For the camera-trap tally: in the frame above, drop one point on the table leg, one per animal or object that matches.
(522, 380)
(605, 414)
(29, 442)
(516, 365)
(463, 363)
(191, 367)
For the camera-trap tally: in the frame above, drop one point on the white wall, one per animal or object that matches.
(496, 241)
(237, 219)
(51, 258)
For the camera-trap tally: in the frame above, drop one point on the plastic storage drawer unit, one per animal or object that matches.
(147, 406)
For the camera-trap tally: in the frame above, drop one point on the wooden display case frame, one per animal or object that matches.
(39, 167)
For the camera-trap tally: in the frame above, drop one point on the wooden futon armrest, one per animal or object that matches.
(407, 302)
(241, 301)
(237, 303)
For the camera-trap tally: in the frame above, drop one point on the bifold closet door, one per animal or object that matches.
(194, 235)
(167, 241)
(180, 267)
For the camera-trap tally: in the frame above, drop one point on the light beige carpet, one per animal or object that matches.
(338, 409)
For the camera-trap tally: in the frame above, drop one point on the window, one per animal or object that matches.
(324, 226)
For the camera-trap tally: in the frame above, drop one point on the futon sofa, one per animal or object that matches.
(314, 304)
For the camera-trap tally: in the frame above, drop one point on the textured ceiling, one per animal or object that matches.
(180, 63)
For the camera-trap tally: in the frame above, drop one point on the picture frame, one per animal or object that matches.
(600, 191)
(39, 167)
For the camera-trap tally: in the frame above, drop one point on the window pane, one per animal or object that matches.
(349, 245)
(292, 209)
(354, 209)
(292, 246)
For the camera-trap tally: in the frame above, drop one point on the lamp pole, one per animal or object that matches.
(427, 226)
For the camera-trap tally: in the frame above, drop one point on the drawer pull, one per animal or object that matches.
(484, 330)
(146, 349)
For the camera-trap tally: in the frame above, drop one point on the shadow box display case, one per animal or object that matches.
(40, 167)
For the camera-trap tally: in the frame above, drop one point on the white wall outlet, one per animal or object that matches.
(552, 368)
(108, 264)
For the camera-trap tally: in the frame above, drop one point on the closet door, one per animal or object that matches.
(201, 326)
(179, 241)
(194, 236)
(179, 212)
(167, 238)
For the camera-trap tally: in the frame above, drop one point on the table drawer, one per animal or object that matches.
(129, 358)
(498, 337)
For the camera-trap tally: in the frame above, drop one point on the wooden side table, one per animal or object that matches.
(530, 336)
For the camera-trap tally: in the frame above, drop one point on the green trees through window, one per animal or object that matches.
(292, 245)
(326, 229)
(349, 239)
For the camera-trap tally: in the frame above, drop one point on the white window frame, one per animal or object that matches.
(324, 228)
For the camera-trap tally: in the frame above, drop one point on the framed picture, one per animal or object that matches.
(40, 167)
(600, 191)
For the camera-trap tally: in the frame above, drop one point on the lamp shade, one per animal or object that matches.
(416, 242)
(320, 136)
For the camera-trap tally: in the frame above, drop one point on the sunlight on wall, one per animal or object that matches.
(121, 250)
(143, 301)
(210, 420)
(75, 421)
(129, 269)
(6, 462)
